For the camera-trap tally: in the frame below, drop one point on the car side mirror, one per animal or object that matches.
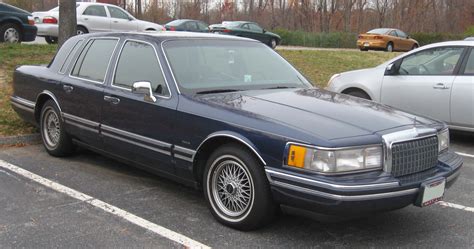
(391, 69)
(264, 31)
(144, 87)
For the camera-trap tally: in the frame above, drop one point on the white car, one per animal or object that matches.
(91, 18)
(436, 80)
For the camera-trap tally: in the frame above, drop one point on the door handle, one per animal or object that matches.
(112, 100)
(86, 19)
(68, 88)
(115, 21)
(441, 86)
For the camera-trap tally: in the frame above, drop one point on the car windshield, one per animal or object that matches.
(202, 66)
(378, 31)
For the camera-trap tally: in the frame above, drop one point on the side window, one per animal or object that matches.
(245, 26)
(117, 13)
(202, 26)
(255, 27)
(70, 56)
(95, 10)
(138, 62)
(94, 59)
(392, 33)
(401, 34)
(436, 61)
(191, 26)
(469, 69)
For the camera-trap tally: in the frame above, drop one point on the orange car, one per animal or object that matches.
(386, 39)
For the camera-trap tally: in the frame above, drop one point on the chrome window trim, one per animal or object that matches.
(108, 64)
(61, 71)
(312, 182)
(169, 66)
(157, 58)
(288, 144)
(400, 137)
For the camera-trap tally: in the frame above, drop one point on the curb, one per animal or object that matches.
(21, 139)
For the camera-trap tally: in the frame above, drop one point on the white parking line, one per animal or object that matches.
(162, 231)
(465, 154)
(457, 206)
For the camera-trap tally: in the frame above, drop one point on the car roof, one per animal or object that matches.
(169, 35)
(91, 3)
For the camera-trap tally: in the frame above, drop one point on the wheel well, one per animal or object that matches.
(355, 89)
(150, 29)
(16, 22)
(84, 27)
(39, 105)
(206, 149)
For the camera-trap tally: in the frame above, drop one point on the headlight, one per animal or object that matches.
(443, 140)
(334, 161)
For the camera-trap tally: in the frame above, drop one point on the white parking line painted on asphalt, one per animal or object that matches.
(162, 231)
(465, 154)
(456, 206)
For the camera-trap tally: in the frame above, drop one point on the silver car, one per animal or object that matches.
(436, 80)
(91, 18)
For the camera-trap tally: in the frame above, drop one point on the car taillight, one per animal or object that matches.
(31, 21)
(172, 29)
(50, 19)
(360, 37)
(378, 37)
(226, 31)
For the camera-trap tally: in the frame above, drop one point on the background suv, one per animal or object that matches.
(16, 25)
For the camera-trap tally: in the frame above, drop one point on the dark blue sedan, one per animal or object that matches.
(231, 116)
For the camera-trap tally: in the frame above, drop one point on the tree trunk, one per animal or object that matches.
(67, 20)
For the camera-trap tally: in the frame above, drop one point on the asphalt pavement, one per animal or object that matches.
(43, 206)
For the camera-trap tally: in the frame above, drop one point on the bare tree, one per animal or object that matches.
(67, 20)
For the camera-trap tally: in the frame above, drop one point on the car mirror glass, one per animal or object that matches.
(390, 69)
(144, 87)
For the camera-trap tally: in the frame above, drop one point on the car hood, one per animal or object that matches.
(317, 112)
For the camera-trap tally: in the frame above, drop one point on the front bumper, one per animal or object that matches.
(360, 193)
(47, 29)
(29, 33)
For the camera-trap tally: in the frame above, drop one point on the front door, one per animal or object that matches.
(423, 83)
(133, 128)
(86, 82)
(120, 20)
(462, 96)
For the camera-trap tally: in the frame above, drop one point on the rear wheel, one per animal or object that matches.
(55, 139)
(389, 47)
(10, 32)
(415, 46)
(364, 49)
(81, 30)
(358, 93)
(236, 189)
(51, 40)
(273, 43)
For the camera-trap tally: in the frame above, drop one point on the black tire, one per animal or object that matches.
(364, 49)
(81, 30)
(253, 213)
(273, 43)
(358, 93)
(389, 47)
(51, 40)
(55, 139)
(10, 32)
(415, 46)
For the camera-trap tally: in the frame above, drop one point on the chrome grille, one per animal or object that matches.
(414, 156)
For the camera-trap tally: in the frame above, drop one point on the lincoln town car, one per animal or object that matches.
(228, 115)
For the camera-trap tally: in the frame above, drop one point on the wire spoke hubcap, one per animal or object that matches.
(232, 188)
(51, 128)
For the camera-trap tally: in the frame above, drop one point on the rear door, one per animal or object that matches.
(96, 19)
(462, 96)
(133, 128)
(84, 87)
(423, 84)
(120, 20)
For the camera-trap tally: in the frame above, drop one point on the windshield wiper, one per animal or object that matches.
(218, 91)
(279, 87)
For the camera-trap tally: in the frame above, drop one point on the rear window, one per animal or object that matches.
(94, 59)
(378, 31)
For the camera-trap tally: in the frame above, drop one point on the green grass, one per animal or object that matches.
(12, 56)
(318, 66)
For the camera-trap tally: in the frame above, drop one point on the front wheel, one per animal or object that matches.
(389, 47)
(237, 190)
(55, 139)
(10, 32)
(273, 43)
(81, 30)
(51, 40)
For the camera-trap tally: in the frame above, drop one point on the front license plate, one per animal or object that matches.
(366, 44)
(431, 193)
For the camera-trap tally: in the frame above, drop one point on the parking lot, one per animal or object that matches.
(91, 201)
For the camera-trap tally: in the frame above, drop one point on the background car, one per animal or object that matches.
(91, 18)
(187, 25)
(247, 29)
(469, 38)
(16, 25)
(436, 80)
(386, 39)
